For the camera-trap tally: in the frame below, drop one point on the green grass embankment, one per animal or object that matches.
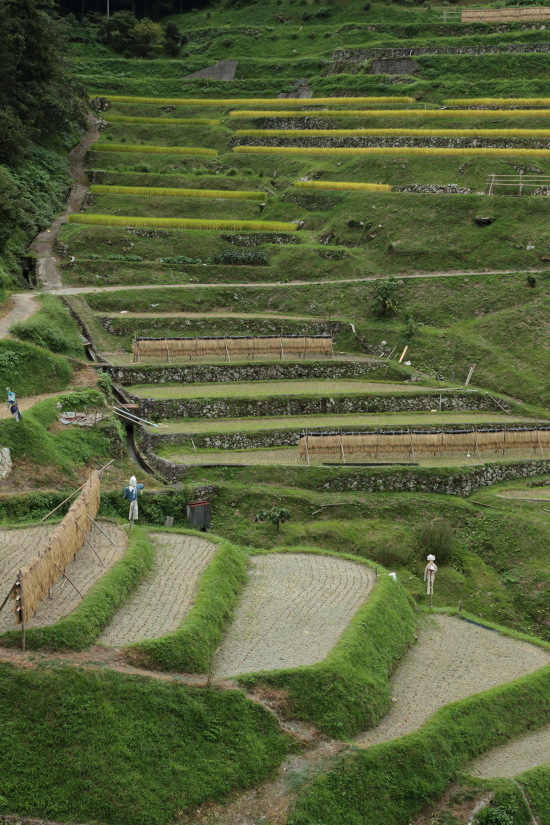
(349, 691)
(52, 328)
(192, 646)
(31, 370)
(94, 745)
(536, 783)
(391, 783)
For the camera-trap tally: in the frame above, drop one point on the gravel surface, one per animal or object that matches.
(451, 660)
(292, 612)
(161, 602)
(256, 389)
(515, 757)
(18, 546)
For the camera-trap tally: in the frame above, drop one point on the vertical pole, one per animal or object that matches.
(540, 445)
(22, 600)
(108, 9)
(168, 352)
(307, 449)
(226, 348)
(342, 448)
(411, 445)
(520, 182)
(282, 349)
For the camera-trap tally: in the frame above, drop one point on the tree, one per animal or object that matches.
(146, 38)
(386, 297)
(173, 39)
(276, 515)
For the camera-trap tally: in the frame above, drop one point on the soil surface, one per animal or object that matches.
(515, 757)
(451, 660)
(22, 306)
(19, 545)
(292, 612)
(161, 602)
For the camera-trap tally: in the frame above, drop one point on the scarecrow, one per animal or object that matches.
(429, 574)
(131, 493)
(12, 405)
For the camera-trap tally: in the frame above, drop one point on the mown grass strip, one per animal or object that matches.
(342, 185)
(498, 101)
(191, 647)
(497, 134)
(152, 150)
(390, 150)
(81, 628)
(390, 784)
(239, 114)
(158, 191)
(256, 101)
(183, 223)
(349, 691)
(164, 121)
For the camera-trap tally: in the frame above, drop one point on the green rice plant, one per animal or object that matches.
(498, 101)
(246, 114)
(255, 101)
(184, 223)
(155, 150)
(489, 133)
(165, 121)
(343, 185)
(154, 191)
(390, 150)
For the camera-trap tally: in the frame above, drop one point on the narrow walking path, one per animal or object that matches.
(23, 305)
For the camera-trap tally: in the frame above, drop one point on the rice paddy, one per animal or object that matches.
(498, 101)
(258, 101)
(351, 186)
(146, 148)
(164, 121)
(159, 191)
(182, 223)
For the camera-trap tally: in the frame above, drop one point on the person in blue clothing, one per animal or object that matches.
(12, 405)
(131, 493)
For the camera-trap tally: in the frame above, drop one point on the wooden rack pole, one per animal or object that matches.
(4, 603)
(69, 580)
(90, 543)
(22, 607)
(75, 492)
(540, 448)
(100, 530)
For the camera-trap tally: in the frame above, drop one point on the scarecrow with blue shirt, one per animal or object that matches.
(131, 493)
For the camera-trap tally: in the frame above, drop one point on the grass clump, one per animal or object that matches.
(155, 150)
(96, 745)
(391, 783)
(192, 646)
(30, 370)
(437, 538)
(349, 690)
(81, 628)
(52, 328)
(184, 223)
(159, 191)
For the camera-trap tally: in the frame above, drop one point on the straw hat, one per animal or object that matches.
(431, 558)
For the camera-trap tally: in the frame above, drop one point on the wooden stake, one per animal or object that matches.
(69, 580)
(100, 530)
(4, 603)
(22, 607)
(469, 378)
(90, 543)
(403, 354)
(73, 494)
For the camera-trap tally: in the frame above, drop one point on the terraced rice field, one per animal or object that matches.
(162, 601)
(340, 422)
(536, 494)
(19, 545)
(292, 612)
(258, 389)
(515, 757)
(451, 660)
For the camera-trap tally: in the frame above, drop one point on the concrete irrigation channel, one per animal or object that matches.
(162, 601)
(452, 659)
(292, 612)
(20, 545)
(515, 757)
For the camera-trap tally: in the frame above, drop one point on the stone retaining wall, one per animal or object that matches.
(157, 408)
(351, 56)
(253, 371)
(395, 141)
(218, 325)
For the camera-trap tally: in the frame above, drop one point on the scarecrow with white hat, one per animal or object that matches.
(429, 574)
(131, 493)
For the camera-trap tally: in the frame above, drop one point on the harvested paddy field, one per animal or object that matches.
(515, 757)
(161, 602)
(537, 494)
(340, 422)
(292, 612)
(19, 545)
(258, 389)
(452, 659)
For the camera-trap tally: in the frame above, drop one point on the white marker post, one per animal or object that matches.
(429, 576)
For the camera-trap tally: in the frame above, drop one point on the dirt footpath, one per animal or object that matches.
(451, 660)
(161, 602)
(292, 612)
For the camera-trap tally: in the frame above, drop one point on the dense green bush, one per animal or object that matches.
(437, 538)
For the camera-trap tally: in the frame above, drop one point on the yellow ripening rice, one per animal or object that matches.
(390, 150)
(342, 185)
(152, 150)
(247, 114)
(258, 101)
(498, 101)
(183, 223)
(158, 191)
(451, 132)
(164, 121)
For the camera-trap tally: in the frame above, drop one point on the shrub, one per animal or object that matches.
(183, 223)
(385, 300)
(276, 516)
(495, 816)
(437, 537)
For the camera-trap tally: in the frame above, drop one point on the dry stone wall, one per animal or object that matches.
(393, 141)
